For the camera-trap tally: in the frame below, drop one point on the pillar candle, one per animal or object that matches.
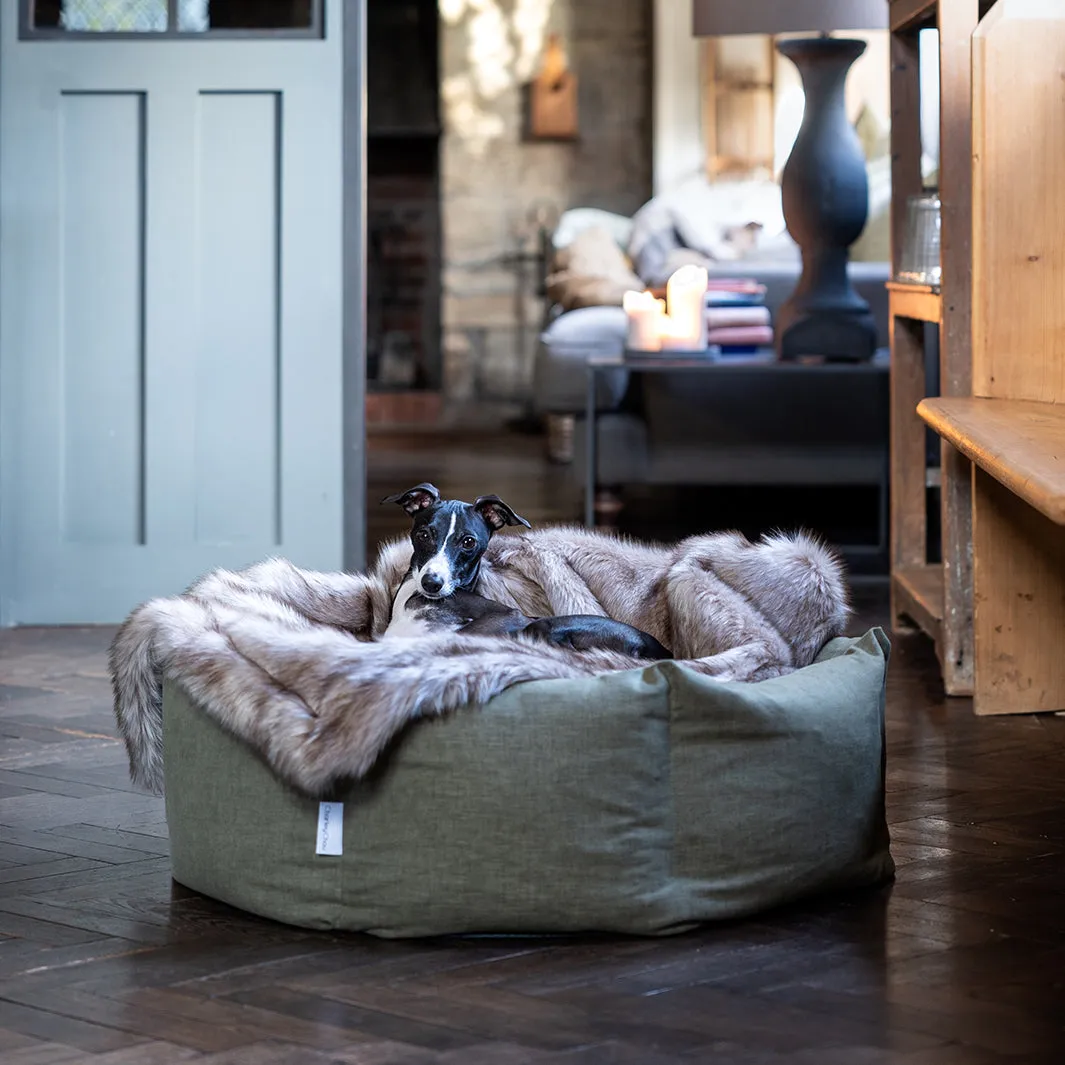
(644, 318)
(686, 305)
(676, 334)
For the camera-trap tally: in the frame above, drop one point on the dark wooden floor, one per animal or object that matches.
(512, 466)
(104, 959)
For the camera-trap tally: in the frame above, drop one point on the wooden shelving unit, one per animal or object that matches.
(1010, 433)
(937, 597)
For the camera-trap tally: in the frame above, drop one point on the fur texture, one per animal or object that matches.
(289, 659)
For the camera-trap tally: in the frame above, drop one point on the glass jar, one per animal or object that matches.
(919, 262)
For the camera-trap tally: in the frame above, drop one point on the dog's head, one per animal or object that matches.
(449, 537)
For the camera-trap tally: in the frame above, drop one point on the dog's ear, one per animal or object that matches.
(417, 498)
(497, 513)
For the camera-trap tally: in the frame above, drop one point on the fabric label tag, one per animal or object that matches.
(330, 828)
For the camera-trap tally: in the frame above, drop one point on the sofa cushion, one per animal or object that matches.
(592, 271)
(577, 219)
(637, 802)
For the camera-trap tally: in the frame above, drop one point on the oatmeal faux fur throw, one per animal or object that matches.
(291, 661)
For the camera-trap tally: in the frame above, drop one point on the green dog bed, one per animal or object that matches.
(638, 802)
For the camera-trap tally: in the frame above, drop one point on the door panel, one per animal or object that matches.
(101, 266)
(238, 487)
(170, 314)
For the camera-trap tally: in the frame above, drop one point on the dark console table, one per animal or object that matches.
(753, 367)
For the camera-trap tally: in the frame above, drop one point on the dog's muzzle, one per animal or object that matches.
(431, 585)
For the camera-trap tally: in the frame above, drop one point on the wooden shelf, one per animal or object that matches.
(922, 303)
(918, 593)
(1020, 443)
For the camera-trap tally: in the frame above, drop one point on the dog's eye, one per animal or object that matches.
(423, 536)
(469, 543)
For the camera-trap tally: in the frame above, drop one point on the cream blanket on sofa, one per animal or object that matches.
(292, 661)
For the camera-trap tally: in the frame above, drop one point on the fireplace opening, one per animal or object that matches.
(403, 253)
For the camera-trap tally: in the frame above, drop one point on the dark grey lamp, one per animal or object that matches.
(824, 186)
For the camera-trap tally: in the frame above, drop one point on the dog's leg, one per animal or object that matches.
(497, 623)
(584, 632)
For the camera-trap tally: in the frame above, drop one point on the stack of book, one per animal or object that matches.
(738, 321)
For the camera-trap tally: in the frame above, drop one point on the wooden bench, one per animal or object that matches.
(1018, 442)
(1018, 450)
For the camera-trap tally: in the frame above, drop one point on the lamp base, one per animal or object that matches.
(825, 316)
(825, 195)
(835, 337)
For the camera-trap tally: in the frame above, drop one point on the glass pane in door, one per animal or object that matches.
(101, 16)
(246, 15)
(189, 16)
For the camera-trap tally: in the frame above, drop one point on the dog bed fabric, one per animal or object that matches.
(642, 801)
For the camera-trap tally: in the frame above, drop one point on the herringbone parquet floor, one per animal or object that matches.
(103, 959)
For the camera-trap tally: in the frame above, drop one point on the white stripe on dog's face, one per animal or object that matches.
(439, 568)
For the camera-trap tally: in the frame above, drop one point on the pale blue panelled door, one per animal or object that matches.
(170, 297)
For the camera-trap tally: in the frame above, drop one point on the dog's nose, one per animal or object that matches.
(431, 584)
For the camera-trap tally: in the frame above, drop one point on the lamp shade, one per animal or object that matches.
(723, 18)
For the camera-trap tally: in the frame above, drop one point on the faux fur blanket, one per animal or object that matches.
(293, 662)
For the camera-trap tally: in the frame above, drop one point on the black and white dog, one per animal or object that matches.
(449, 537)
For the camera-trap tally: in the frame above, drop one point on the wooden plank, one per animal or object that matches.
(1020, 604)
(917, 592)
(1019, 443)
(922, 303)
(907, 447)
(1018, 262)
(910, 14)
(956, 548)
(956, 20)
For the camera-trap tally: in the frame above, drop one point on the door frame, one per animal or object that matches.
(354, 286)
(353, 320)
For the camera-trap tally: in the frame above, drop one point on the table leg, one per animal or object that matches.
(591, 458)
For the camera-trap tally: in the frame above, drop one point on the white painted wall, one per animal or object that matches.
(677, 135)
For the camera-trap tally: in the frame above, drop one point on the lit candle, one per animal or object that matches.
(686, 303)
(675, 334)
(645, 316)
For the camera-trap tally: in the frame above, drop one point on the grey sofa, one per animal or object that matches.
(734, 428)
